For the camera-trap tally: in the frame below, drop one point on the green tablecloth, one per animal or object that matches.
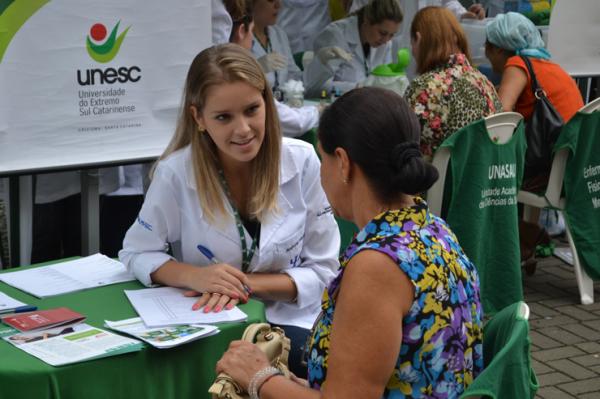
(182, 372)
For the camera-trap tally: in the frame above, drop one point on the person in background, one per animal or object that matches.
(403, 318)
(448, 93)
(348, 49)
(271, 47)
(233, 209)
(221, 22)
(508, 37)
(475, 10)
(512, 35)
(302, 20)
(294, 121)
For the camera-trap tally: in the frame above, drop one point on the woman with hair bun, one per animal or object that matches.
(402, 319)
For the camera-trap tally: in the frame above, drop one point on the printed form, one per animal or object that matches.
(76, 275)
(166, 306)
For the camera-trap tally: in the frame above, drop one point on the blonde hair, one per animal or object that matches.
(377, 11)
(227, 63)
(441, 34)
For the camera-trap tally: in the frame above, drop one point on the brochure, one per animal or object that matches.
(162, 337)
(167, 306)
(42, 319)
(71, 344)
(75, 275)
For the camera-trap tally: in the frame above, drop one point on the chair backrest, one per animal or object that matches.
(480, 172)
(502, 126)
(557, 171)
(591, 107)
(508, 372)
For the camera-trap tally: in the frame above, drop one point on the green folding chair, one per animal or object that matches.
(481, 167)
(347, 232)
(508, 373)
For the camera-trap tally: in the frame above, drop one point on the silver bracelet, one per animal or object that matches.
(259, 378)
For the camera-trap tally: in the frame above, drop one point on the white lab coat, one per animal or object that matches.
(301, 239)
(343, 75)
(221, 22)
(453, 5)
(302, 20)
(279, 44)
(296, 121)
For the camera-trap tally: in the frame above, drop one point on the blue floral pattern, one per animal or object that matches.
(441, 351)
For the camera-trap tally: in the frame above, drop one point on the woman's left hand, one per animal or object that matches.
(212, 301)
(242, 361)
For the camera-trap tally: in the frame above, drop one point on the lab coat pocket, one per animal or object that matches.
(288, 251)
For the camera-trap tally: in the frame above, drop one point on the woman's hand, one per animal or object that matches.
(221, 278)
(476, 11)
(212, 301)
(242, 361)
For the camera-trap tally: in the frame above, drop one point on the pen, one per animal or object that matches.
(27, 308)
(20, 309)
(211, 257)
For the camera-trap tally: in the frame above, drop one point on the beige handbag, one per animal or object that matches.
(273, 342)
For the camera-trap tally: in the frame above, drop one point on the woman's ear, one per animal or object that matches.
(197, 117)
(344, 164)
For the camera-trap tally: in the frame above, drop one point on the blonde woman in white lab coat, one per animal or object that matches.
(232, 205)
(348, 49)
(270, 46)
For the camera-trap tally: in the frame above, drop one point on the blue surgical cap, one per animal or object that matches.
(515, 32)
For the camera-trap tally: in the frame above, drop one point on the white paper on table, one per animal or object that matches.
(166, 306)
(71, 344)
(8, 304)
(162, 337)
(75, 275)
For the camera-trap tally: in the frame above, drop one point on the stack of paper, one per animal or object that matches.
(9, 304)
(76, 275)
(164, 337)
(167, 306)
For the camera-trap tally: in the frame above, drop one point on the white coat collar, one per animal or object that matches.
(289, 170)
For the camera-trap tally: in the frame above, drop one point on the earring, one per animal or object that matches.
(345, 181)
(201, 130)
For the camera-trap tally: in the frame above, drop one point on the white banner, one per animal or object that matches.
(85, 82)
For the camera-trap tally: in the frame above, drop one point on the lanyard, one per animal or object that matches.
(247, 254)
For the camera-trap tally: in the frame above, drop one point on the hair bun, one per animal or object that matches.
(403, 153)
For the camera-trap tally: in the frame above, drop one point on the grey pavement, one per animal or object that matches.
(565, 335)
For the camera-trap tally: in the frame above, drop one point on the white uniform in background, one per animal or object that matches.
(301, 239)
(221, 22)
(453, 5)
(302, 20)
(51, 187)
(296, 121)
(338, 73)
(278, 41)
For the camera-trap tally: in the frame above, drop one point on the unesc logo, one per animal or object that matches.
(101, 49)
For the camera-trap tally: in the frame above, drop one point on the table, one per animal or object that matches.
(185, 371)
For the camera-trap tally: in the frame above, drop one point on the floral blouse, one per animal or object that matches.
(441, 351)
(448, 98)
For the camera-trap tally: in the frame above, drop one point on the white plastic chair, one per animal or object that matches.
(552, 199)
(500, 129)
